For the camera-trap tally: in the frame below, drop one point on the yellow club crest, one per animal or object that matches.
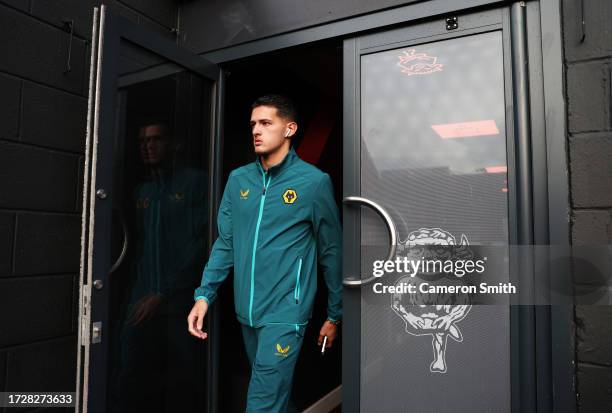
(244, 193)
(290, 196)
(282, 351)
(142, 203)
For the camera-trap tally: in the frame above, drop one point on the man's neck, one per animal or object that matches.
(273, 158)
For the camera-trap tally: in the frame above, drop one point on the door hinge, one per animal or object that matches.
(85, 313)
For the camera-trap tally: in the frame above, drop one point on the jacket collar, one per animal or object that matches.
(282, 165)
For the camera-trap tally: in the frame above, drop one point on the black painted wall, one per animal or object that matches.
(588, 66)
(42, 140)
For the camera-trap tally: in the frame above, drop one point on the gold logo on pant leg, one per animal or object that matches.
(280, 351)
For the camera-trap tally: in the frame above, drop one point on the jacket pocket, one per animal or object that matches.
(296, 291)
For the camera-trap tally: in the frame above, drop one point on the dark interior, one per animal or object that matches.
(311, 76)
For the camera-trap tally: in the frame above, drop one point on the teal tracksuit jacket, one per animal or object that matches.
(273, 228)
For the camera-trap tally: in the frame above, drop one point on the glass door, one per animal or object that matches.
(149, 190)
(429, 160)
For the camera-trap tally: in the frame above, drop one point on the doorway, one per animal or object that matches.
(311, 76)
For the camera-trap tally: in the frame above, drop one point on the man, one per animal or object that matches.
(277, 216)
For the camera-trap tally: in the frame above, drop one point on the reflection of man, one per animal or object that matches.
(277, 216)
(156, 355)
(170, 218)
(153, 147)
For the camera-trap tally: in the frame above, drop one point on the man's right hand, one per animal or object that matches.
(195, 320)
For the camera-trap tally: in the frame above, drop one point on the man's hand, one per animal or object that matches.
(144, 308)
(195, 320)
(330, 330)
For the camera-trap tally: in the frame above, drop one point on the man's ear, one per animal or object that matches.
(291, 129)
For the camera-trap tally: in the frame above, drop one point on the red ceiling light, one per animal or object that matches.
(496, 169)
(466, 129)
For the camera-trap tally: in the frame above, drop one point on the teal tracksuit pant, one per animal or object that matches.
(272, 350)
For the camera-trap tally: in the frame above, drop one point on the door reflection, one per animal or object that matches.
(154, 364)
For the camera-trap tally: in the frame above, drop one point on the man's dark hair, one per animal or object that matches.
(151, 121)
(283, 104)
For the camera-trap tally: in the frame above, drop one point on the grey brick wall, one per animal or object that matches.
(42, 139)
(588, 66)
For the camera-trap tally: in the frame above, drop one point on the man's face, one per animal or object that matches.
(268, 129)
(153, 140)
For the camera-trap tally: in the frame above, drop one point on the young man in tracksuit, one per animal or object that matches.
(277, 218)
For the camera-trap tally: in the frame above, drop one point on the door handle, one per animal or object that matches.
(123, 248)
(390, 227)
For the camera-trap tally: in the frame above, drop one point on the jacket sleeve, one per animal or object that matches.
(328, 233)
(221, 258)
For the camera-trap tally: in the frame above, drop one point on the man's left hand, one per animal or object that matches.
(330, 330)
(144, 308)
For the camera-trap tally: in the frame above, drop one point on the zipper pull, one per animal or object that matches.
(264, 180)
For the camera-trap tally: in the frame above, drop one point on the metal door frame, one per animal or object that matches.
(522, 371)
(107, 33)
